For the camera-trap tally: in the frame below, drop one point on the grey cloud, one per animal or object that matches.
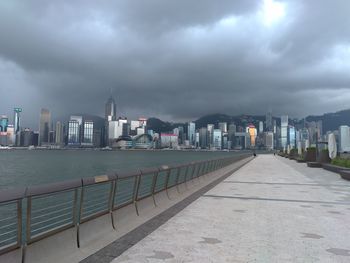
(173, 59)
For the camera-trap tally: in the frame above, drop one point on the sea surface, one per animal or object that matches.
(24, 168)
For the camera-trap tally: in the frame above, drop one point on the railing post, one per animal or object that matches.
(80, 214)
(136, 192)
(166, 183)
(186, 176)
(154, 182)
(177, 179)
(111, 201)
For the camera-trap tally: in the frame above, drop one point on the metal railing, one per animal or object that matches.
(33, 213)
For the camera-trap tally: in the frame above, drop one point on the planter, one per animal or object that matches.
(345, 174)
(310, 155)
(314, 164)
(334, 168)
(324, 157)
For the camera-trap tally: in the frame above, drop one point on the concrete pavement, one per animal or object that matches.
(271, 210)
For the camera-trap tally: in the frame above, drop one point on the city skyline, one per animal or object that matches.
(165, 59)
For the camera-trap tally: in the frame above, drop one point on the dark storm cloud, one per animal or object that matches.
(175, 59)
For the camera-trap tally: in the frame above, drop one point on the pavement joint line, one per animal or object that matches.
(268, 183)
(277, 200)
(119, 246)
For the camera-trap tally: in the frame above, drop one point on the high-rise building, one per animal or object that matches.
(110, 109)
(88, 133)
(73, 133)
(251, 130)
(292, 136)
(203, 138)
(284, 131)
(59, 136)
(191, 133)
(268, 140)
(217, 139)
(26, 138)
(44, 127)
(4, 122)
(17, 119)
(210, 128)
(344, 138)
(110, 115)
(223, 126)
(74, 130)
(269, 122)
(261, 127)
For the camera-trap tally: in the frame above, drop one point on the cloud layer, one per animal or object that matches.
(176, 60)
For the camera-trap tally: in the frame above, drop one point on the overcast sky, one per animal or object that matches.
(177, 60)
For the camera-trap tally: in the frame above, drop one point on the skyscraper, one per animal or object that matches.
(110, 110)
(44, 127)
(210, 128)
(17, 119)
(269, 123)
(344, 138)
(191, 133)
(59, 136)
(284, 131)
(110, 115)
(88, 133)
(223, 126)
(4, 121)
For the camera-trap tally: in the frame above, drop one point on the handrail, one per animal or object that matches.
(87, 198)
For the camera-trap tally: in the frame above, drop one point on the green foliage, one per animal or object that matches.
(341, 162)
(311, 149)
(325, 150)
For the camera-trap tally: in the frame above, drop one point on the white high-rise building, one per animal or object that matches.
(344, 138)
(284, 131)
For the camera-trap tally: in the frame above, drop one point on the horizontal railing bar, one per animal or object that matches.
(51, 213)
(8, 232)
(94, 200)
(85, 208)
(11, 224)
(96, 197)
(50, 219)
(8, 218)
(6, 240)
(87, 214)
(53, 206)
(49, 225)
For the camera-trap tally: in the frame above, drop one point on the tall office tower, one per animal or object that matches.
(191, 133)
(74, 130)
(217, 139)
(344, 138)
(59, 136)
(261, 127)
(44, 127)
(182, 135)
(269, 122)
(284, 131)
(223, 126)
(203, 138)
(231, 134)
(210, 128)
(110, 115)
(292, 136)
(4, 122)
(88, 132)
(110, 110)
(17, 119)
(251, 130)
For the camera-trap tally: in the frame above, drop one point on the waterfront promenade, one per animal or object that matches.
(271, 210)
